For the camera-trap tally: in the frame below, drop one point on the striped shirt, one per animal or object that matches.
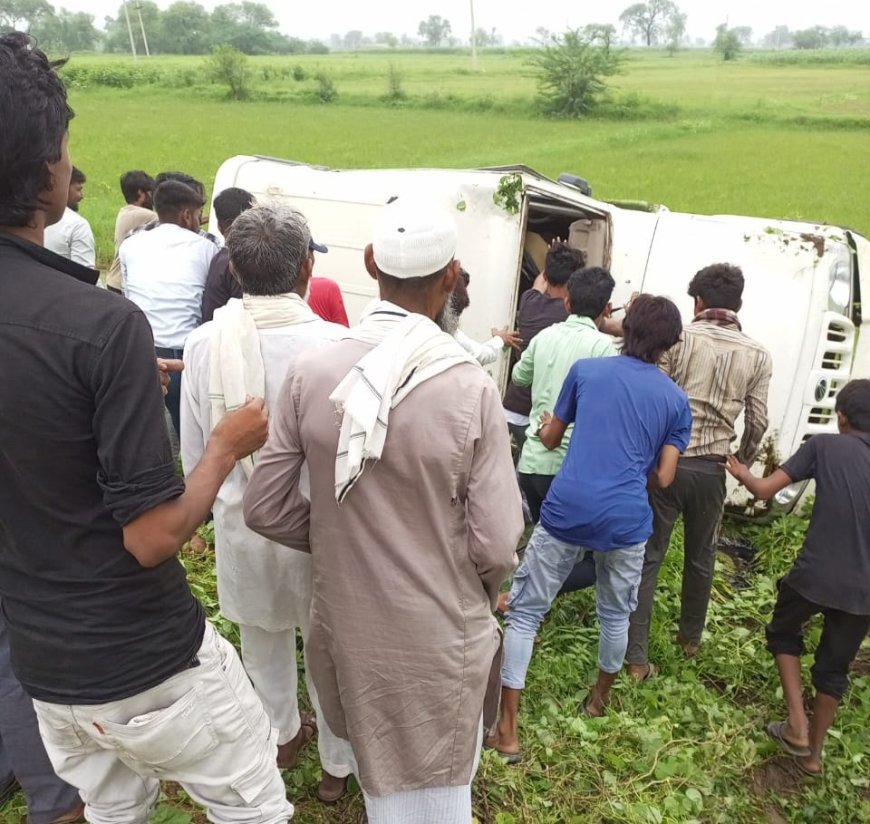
(723, 372)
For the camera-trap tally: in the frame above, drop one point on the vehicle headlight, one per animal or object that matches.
(787, 496)
(840, 288)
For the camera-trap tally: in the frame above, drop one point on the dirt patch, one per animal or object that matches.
(778, 776)
(816, 240)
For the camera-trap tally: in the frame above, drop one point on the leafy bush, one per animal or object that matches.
(112, 75)
(571, 71)
(299, 73)
(727, 42)
(230, 67)
(326, 91)
(395, 92)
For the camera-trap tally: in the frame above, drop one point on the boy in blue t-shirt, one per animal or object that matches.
(831, 575)
(631, 422)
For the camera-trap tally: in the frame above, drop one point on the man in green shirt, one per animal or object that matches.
(545, 365)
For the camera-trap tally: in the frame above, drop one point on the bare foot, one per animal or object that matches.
(690, 648)
(595, 706)
(809, 765)
(331, 788)
(642, 672)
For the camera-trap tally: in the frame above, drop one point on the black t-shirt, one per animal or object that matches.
(83, 451)
(220, 286)
(537, 312)
(833, 568)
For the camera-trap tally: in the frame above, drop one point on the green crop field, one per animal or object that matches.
(770, 135)
(691, 132)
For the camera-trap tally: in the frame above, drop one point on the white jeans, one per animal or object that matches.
(204, 728)
(270, 660)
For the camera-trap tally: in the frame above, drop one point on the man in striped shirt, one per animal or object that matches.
(724, 372)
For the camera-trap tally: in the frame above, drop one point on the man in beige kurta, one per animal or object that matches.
(414, 517)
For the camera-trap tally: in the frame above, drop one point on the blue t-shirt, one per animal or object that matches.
(624, 411)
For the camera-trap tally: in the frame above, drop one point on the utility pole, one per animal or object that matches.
(130, 30)
(142, 27)
(473, 39)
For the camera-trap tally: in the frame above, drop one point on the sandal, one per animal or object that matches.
(651, 672)
(811, 773)
(507, 757)
(307, 731)
(776, 730)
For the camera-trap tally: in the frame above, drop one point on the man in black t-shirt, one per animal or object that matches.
(540, 307)
(130, 683)
(831, 575)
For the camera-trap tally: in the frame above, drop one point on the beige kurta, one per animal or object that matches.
(406, 570)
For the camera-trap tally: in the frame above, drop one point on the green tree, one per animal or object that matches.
(248, 27)
(727, 43)
(647, 20)
(68, 31)
(117, 37)
(229, 67)
(815, 38)
(184, 29)
(23, 15)
(779, 38)
(675, 31)
(434, 30)
(386, 38)
(571, 70)
(841, 36)
(744, 33)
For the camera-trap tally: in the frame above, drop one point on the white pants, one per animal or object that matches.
(444, 805)
(270, 660)
(204, 728)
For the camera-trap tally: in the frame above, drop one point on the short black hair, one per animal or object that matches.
(171, 197)
(35, 116)
(562, 262)
(853, 403)
(230, 203)
(77, 176)
(589, 291)
(720, 286)
(134, 182)
(181, 177)
(651, 326)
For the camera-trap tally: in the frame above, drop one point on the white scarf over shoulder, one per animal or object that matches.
(236, 369)
(409, 349)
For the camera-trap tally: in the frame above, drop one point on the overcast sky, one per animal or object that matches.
(321, 18)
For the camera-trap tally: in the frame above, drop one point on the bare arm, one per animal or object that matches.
(551, 431)
(761, 488)
(158, 533)
(666, 468)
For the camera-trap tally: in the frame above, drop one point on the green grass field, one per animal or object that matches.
(755, 138)
(691, 132)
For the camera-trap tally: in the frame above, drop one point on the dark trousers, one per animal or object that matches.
(842, 636)
(519, 433)
(173, 394)
(535, 488)
(698, 494)
(21, 749)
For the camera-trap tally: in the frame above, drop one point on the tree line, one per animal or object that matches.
(184, 27)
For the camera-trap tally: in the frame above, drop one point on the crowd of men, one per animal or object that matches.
(363, 491)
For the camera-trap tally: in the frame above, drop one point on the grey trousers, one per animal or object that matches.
(698, 494)
(21, 750)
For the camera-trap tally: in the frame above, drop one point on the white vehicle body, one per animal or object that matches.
(804, 282)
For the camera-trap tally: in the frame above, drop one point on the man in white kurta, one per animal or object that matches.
(250, 347)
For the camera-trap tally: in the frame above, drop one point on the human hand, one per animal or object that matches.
(510, 337)
(544, 420)
(555, 242)
(164, 367)
(737, 469)
(242, 431)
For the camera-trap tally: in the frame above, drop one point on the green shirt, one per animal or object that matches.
(544, 367)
